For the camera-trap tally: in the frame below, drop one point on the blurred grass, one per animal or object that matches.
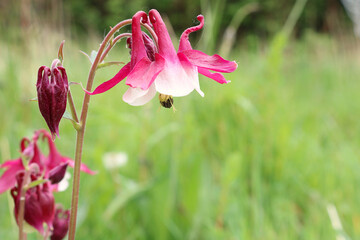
(259, 158)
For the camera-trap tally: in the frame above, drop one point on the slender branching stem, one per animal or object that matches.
(112, 44)
(81, 130)
(72, 107)
(74, 116)
(21, 213)
(127, 35)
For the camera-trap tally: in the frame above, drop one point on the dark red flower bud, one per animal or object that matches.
(60, 224)
(52, 88)
(57, 173)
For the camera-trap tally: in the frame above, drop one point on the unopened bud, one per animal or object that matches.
(57, 173)
(60, 224)
(52, 88)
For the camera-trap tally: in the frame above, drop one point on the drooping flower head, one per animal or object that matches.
(37, 181)
(52, 166)
(141, 68)
(52, 89)
(170, 73)
(39, 201)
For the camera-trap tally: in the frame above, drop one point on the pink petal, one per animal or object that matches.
(124, 71)
(214, 62)
(83, 167)
(166, 48)
(24, 143)
(38, 157)
(8, 180)
(138, 97)
(184, 39)
(179, 78)
(215, 76)
(54, 158)
(145, 72)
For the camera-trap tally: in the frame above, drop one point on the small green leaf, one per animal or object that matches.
(37, 182)
(107, 64)
(93, 56)
(86, 55)
(68, 116)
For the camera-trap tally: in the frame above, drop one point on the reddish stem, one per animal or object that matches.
(22, 235)
(81, 130)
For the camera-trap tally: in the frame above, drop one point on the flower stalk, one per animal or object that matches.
(81, 129)
(74, 116)
(22, 235)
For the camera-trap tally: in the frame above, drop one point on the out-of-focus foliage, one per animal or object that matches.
(98, 15)
(267, 156)
(267, 20)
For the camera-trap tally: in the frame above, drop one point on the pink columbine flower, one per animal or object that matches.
(52, 166)
(141, 66)
(52, 89)
(171, 73)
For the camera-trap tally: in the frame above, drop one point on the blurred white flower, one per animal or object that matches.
(114, 160)
(64, 183)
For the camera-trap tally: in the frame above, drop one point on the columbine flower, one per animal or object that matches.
(52, 88)
(39, 202)
(142, 66)
(52, 165)
(171, 73)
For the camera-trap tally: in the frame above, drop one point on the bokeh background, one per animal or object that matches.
(272, 155)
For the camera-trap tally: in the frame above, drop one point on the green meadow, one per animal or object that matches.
(272, 155)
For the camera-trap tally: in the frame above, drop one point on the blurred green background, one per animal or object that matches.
(272, 155)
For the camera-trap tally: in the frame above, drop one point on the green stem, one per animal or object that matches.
(81, 130)
(74, 116)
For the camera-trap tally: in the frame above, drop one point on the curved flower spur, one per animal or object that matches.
(171, 73)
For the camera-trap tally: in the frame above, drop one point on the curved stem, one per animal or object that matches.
(112, 44)
(81, 130)
(120, 36)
